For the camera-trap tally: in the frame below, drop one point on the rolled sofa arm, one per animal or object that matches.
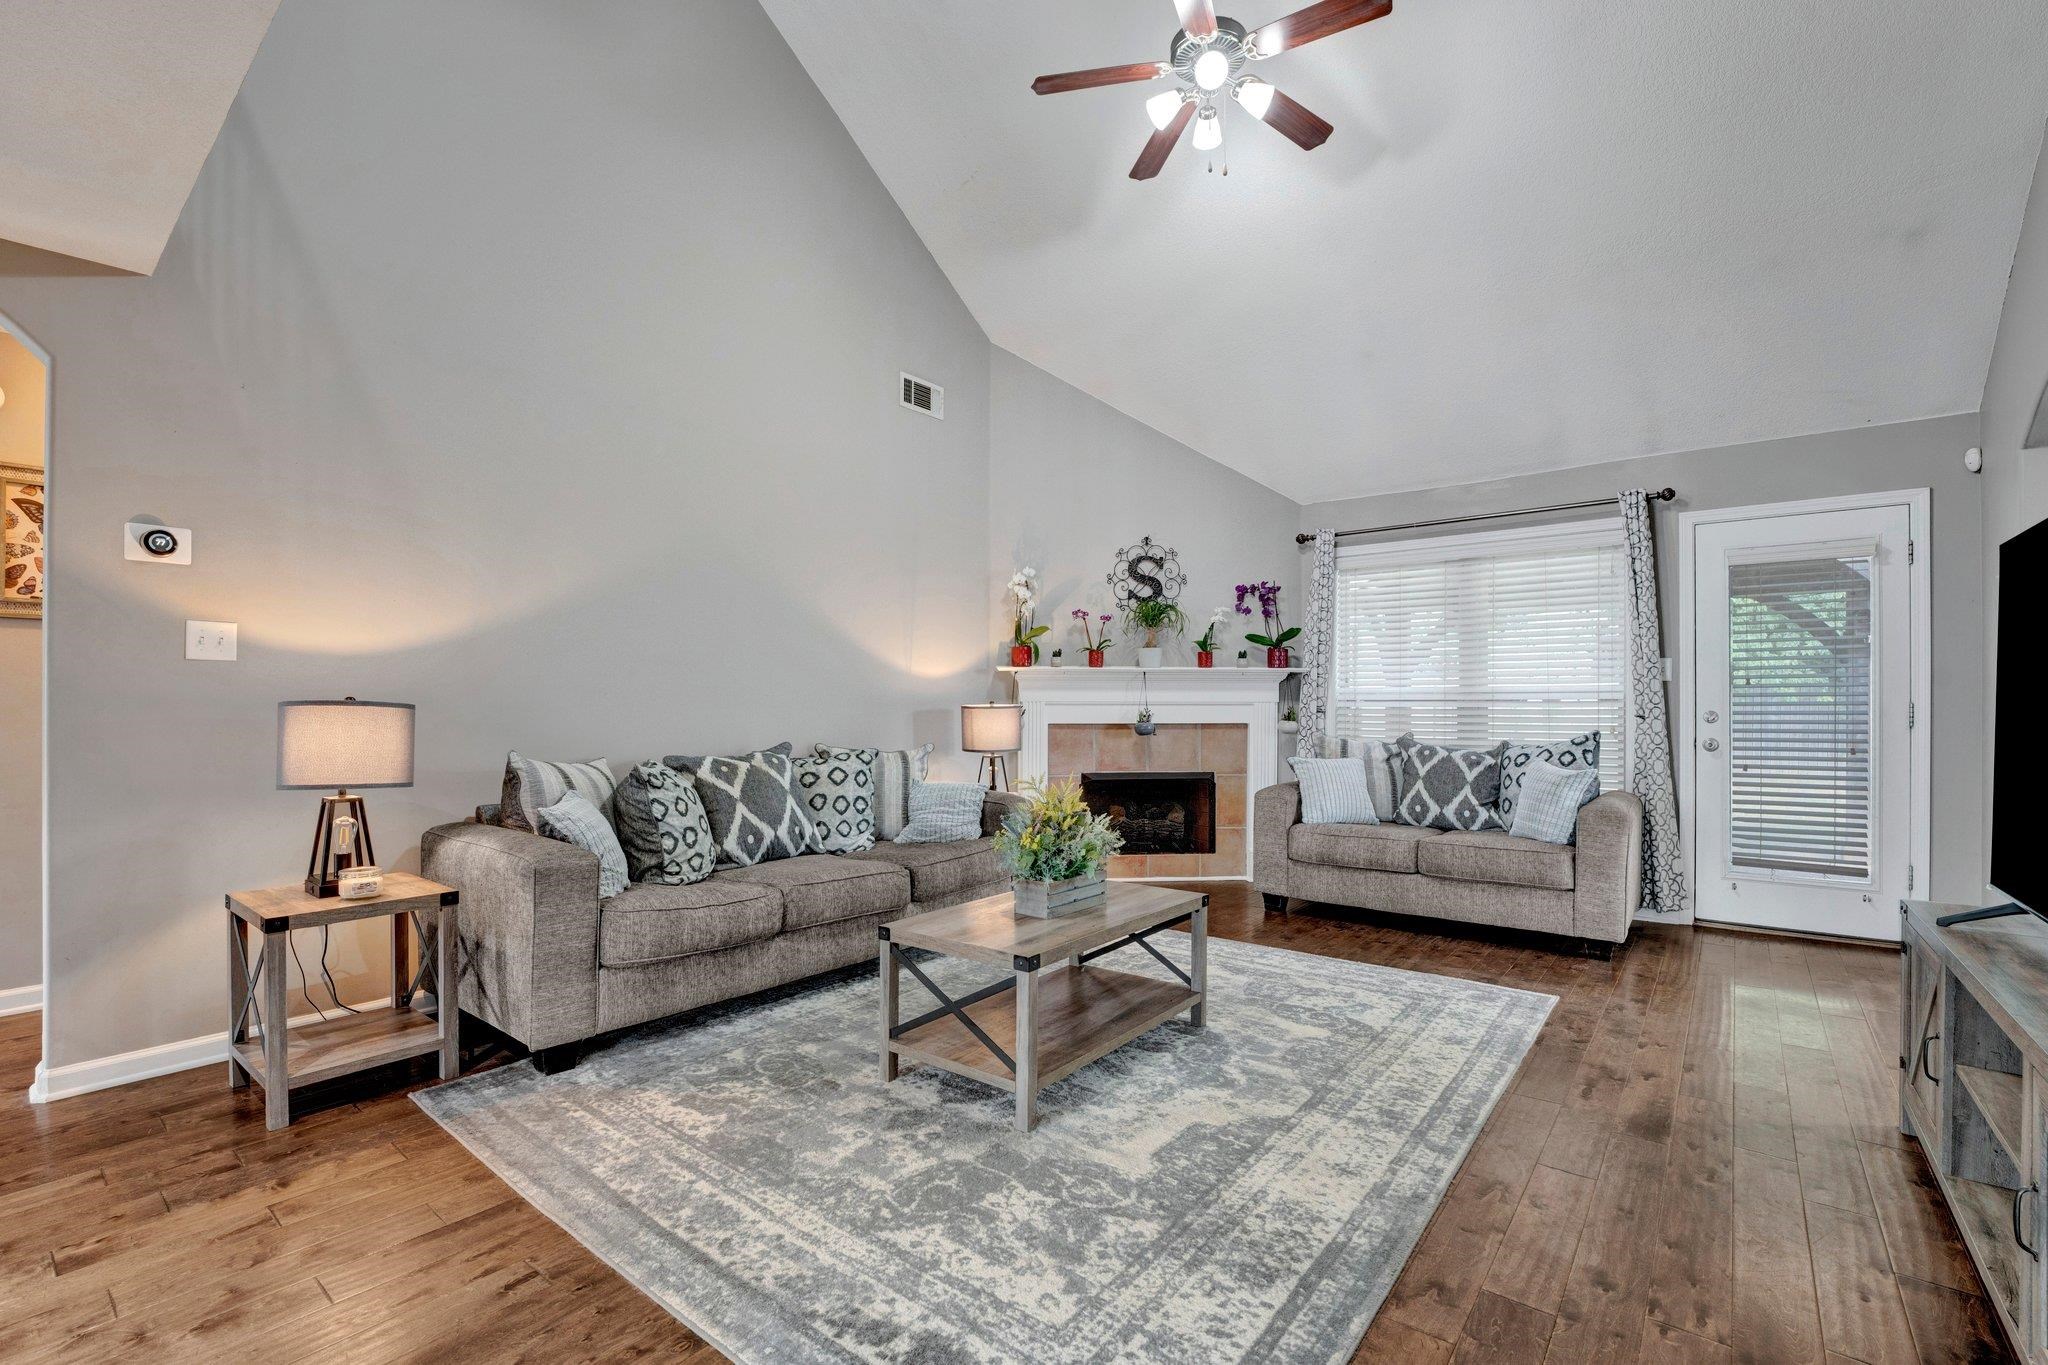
(528, 916)
(996, 808)
(1275, 810)
(1608, 885)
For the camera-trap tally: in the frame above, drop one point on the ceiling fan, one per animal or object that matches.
(1206, 60)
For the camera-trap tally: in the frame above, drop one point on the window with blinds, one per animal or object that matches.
(1473, 640)
(1799, 715)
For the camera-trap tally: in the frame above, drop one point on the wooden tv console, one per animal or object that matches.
(1973, 1088)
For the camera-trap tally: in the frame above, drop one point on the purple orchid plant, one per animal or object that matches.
(1268, 597)
(1096, 636)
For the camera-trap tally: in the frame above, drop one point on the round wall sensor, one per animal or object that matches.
(1973, 459)
(160, 542)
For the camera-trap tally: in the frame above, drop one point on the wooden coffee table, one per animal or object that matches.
(1056, 1012)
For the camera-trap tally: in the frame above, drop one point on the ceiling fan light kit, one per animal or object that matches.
(1207, 58)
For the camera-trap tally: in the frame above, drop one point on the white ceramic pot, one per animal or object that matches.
(1149, 658)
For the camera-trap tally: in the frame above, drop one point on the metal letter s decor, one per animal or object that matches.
(1145, 571)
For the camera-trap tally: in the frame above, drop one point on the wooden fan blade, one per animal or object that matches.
(1198, 17)
(1302, 126)
(1061, 82)
(1317, 21)
(1160, 145)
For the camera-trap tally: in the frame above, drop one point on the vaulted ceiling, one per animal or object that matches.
(1543, 235)
(107, 111)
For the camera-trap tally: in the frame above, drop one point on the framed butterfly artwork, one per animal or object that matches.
(22, 505)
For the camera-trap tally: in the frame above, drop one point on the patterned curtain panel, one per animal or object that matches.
(1319, 635)
(1647, 763)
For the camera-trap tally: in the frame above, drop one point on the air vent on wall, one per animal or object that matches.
(923, 397)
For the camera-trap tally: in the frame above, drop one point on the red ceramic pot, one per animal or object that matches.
(1020, 656)
(1276, 657)
(1095, 658)
(1204, 659)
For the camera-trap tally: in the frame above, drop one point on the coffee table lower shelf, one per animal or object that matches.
(1084, 1013)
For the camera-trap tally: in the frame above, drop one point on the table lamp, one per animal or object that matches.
(342, 744)
(992, 729)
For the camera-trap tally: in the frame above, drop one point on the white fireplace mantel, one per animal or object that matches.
(1177, 696)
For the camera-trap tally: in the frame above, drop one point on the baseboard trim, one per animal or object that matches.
(21, 999)
(126, 1068)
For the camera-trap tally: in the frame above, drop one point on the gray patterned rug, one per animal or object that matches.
(1244, 1192)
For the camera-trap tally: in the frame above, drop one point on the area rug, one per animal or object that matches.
(1247, 1191)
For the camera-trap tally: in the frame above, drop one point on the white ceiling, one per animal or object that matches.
(1543, 235)
(107, 111)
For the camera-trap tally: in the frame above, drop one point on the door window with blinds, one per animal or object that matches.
(1477, 639)
(1800, 714)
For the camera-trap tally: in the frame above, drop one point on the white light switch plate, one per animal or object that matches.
(210, 640)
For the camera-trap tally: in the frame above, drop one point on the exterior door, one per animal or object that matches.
(1802, 702)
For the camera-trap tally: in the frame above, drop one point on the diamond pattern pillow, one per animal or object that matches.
(838, 789)
(896, 770)
(663, 827)
(756, 815)
(1579, 753)
(1448, 788)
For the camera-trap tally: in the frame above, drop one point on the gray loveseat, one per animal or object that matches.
(545, 961)
(1588, 892)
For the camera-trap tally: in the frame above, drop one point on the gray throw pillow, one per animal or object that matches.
(1443, 787)
(1580, 752)
(756, 815)
(1551, 797)
(663, 827)
(531, 783)
(1382, 773)
(838, 789)
(573, 820)
(1334, 791)
(896, 770)
(943, 813)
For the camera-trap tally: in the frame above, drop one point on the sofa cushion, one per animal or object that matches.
(652, 922)
(1494, 856)
(1448, 788)
(824, 888)
(755, 809)
(1577, 754)
(663, 826)
(531, 783)
(1380, 848)
(940, 871)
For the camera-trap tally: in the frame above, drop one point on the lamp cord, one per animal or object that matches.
(329, 976)
(305, 984)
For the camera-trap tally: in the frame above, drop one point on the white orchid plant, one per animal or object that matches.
(1207, 644)
(1023, 593)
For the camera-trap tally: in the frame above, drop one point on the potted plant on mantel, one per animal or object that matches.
(1153, 615)
(1094, 636)
(1023, 591)
(1056, 850)
(1205, 648)
(1275, 639)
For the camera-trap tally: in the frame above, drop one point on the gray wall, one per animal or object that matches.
(1071, 480)
(1871, 459)
(2015, 479)
(512, 361)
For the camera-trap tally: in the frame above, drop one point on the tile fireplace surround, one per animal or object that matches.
(1220, 720)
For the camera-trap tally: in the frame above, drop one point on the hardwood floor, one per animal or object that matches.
(1699, 1161)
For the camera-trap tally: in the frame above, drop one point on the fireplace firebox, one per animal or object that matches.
(1156, 812)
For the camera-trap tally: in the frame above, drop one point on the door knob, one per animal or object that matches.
(1711, 717)
(1710, 744)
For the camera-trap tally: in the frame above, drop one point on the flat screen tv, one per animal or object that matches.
(2019, 850)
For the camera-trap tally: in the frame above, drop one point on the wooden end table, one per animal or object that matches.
(284, 1058)
(1060, 1020)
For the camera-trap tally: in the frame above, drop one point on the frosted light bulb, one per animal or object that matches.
(1255, 95)
(1208, 133)
(1212, 68)
(1163, 108)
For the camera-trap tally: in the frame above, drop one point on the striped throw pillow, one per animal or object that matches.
(1548, 808)
(943, 813)
(1334, 791)
(531, 784)
(1382, 772)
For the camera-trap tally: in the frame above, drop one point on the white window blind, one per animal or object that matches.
(1799, 715)
(1474, 640)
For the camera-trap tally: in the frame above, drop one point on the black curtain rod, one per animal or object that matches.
(1661, 495)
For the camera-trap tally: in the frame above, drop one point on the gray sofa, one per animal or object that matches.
(545, 961)
(1588, 892)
